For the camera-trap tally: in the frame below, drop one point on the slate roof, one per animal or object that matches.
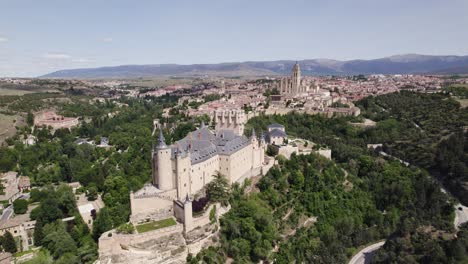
(275, 126)
(203, 144)
(277, 133)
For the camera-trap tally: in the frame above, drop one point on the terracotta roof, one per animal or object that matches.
(24, 182)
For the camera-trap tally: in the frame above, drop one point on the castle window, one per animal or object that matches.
(185, 185)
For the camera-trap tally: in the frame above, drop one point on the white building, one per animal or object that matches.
(276, 134)
(189, 164)
(184, 168)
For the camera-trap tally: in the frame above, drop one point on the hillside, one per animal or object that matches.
(400, 64)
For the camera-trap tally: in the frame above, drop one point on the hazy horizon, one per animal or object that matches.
(41, 37)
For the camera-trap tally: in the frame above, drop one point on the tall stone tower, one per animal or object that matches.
(230, 119)
(188, 215)
(162, 165)
(292, 85)
(255, 150)
(296, 78)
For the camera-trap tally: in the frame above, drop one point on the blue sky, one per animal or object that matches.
(40, 36)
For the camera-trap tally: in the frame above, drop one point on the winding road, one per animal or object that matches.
(364, 256)
(7, 212)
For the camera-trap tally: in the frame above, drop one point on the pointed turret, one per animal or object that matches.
(253, 136)
(187, 199)
(262, 139)
(161, 140)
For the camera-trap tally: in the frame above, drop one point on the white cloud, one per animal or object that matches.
(80, 60)
(56, 56)
(107, 39)
(3, 39)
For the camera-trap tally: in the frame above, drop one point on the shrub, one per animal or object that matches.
(20, 206)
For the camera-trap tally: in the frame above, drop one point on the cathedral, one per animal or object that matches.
(293, 85)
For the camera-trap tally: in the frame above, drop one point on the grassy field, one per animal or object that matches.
(155, 225)
(463, 102)
(7, 125)
(12, 89)
(157, 82)
(4, 91)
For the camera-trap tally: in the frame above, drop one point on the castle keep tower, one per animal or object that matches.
(230, 119)
(162, 165)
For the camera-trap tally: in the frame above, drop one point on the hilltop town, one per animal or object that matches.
(153, 164)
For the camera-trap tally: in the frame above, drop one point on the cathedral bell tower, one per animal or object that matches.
(296, 78)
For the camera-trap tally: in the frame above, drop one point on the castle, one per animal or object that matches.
(293, 85)
(190, 163)
(183, 169)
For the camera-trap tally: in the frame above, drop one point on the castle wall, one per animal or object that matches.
(257, 157)
(182, 173)
(151, 206)
(239, 163)
(202, 173)
(179, 211)
(123, 248)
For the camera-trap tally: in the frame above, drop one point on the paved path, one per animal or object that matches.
(7, 212)
(364, 256)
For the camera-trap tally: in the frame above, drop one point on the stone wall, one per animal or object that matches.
(151, 206)
(165, 245)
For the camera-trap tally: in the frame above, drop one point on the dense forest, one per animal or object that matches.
(307, 209)
(427, 130)
(386, 198)
(112, 171)
(67, 242)
(413, 244)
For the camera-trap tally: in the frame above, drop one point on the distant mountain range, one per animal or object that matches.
(399, 64)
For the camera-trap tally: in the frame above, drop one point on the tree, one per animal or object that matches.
(9, 243)
(218, 189)
(36, 195)
(126, 228)
(92, 193)
(57, 240)
(38, 233)
(102, 224)
(20, 206)
(272, 151)
(30, 119)
(68, 258)
(41, 257)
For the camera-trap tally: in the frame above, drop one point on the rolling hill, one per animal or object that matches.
(399, 64)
